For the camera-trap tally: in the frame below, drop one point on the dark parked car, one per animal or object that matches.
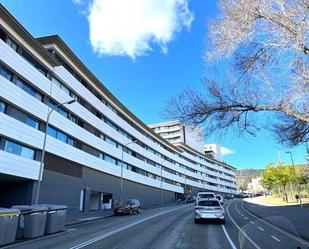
(128, 207)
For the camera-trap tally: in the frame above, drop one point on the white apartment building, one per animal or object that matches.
(177, 133)
(89, 141)
(213, 150)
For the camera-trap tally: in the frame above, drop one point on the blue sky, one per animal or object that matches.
(145, 83)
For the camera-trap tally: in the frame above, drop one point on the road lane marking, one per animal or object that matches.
(275, 238)
(291, 236)
(252, 222)
(108, 234)
(246, 218)
(38, 239)
(246, 235)
(261, 228)
(228, 238)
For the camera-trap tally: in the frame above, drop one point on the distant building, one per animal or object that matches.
(175, 132)
(213, 150)
(255, 186)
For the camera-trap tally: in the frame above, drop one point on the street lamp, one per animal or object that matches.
(289, 152)
(185, 183)
(121, 176)
(44, 146)
(161, 168)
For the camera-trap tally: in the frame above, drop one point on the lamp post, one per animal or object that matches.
(294, 171)
(121, 175)
(185, 183)
(44, 147)
(161, 185)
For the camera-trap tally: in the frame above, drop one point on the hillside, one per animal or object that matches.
(244, 176)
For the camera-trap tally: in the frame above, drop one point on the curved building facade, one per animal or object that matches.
(89, 142)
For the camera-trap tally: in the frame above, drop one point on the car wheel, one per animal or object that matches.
(138, 210)
(115, 213)
(222, 221)
(131, 211)
(196, 221)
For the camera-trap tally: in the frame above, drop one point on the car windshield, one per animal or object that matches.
(126, 202)
(206, 196)
(208, 203)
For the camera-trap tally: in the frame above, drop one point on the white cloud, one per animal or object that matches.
(77, 1)
(132, 27)
(226, 151)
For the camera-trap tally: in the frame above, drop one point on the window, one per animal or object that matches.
(61, 136)
(71, 141)
(19, 150)
(21, 116)
(12, 148)
(27, 152)
(110, 159)
(111, 141)
(2, 106)
(12, 44)
(6, 73)
(52, 104)
(63, 112)
(34, 63)
(21, 84)
(2, 35)
(52, 132)
(31, 122)
(72, 118)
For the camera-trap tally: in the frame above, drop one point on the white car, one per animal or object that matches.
(208, 209)
(205, 195)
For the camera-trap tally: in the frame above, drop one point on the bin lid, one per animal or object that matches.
(54, 206)
(30, 208)
(8, 211)
(22, 207)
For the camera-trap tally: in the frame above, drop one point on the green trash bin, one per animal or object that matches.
(8, 225)
(32, 221)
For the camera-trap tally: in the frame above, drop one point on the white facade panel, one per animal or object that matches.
(14, 165)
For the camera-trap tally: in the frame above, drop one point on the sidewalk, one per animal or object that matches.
(80, 217)
(290, 218)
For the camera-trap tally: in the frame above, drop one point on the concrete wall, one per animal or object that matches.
(62, 188)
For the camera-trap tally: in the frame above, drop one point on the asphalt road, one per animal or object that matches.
(171, 228)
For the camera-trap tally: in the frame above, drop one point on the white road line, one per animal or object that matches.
(276, 228)
(261, 228)
(275, 238)
(246, 235)
(38, 239)
(252, 222)
(103, 236)
(246, 218)
(228, 238)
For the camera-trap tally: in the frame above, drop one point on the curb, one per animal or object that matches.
(275, 225)
(86, 221)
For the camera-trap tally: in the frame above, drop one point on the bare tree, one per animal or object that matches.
(266, 42)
